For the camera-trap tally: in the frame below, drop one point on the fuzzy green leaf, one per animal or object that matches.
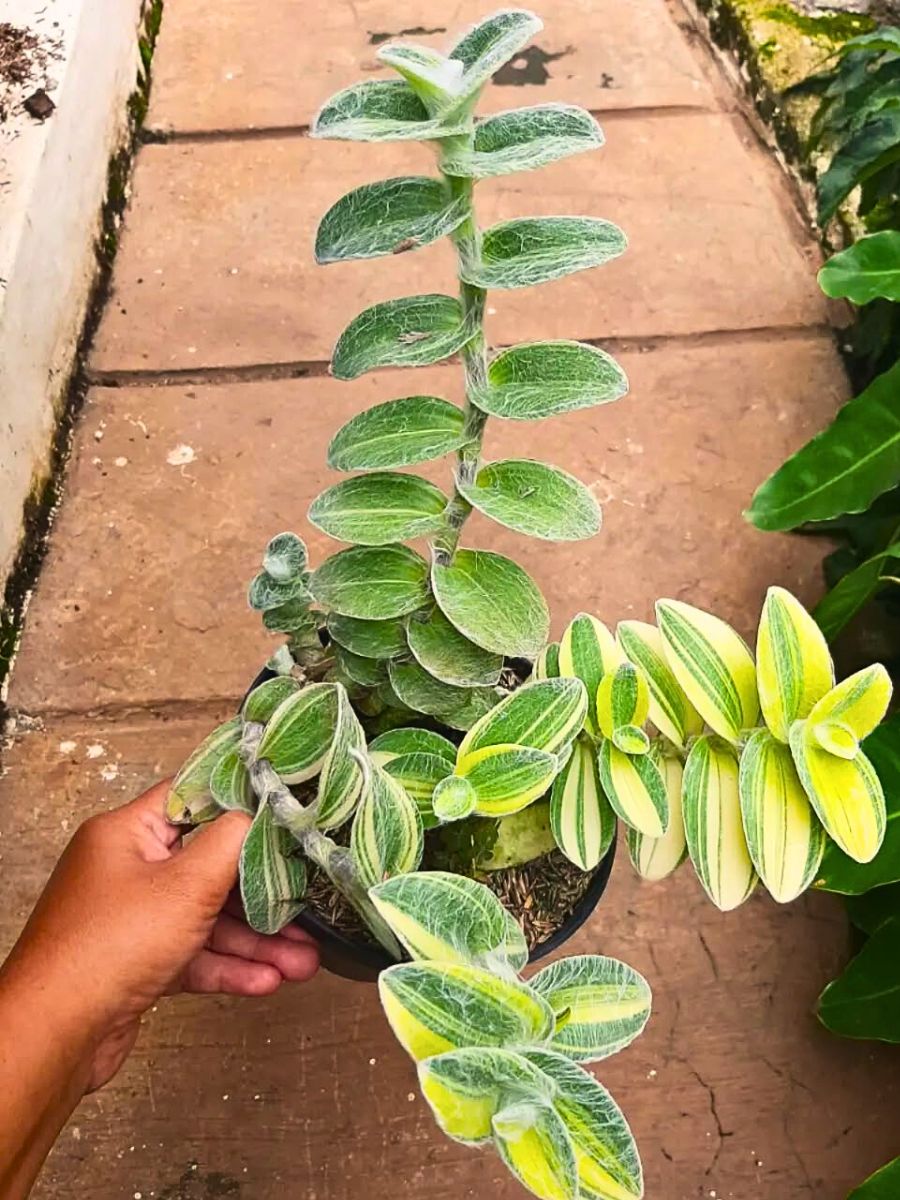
(493, 602)
(419, 774)
(388, 217)
(373, 583)
(546, 665)
(522, 139)
(542, 379)
(545, 714)
(398, 742)
(381, 110)
(285, 557)
(397, 433)
(421, 691)
(532, 1140)
(366, 672)
(868, 269)
(454, 799)
(606, 1003)
(377, 509)
(272, 875)
(533, 498)
(447, 654)
(491, 43)
(368, 639)
(190, 799)
(263, 700)
(341, 777)
(532, 250)
(300, 731)
(230, 784)
(386, 836)
(465, 1088)
(507, 778)
(435, 79)
(266, 592)
(413, 331)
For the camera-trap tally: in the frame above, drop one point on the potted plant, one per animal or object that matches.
(434, 786)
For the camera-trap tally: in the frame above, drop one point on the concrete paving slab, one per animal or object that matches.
(142, 597)
(216, 269)
(218, 66)
(307, 1094)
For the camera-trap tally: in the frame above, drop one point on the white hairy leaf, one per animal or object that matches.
(531, 250)
(388, 217)
(381, 110)
(397, 433)
(543, 379)
(272, 875)
(522, 139)
(492, 602)
(386, 835)
(378, 509)
(372, 583)
(413, 331)
(533, 498)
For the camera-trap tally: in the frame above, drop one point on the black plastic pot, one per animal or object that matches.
(363, 961)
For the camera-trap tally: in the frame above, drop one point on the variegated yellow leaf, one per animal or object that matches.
(544, 715)
(857, 703)
(397, 742)
(793, 662)
(449, 918)
(713, 666)
(419, 775)
(272, 875)
(713, 825)
(655, 858)
(623, 704)
(837, 738)
(601, 1005)
(670, 710)
(341, 778)
(466, 1088)
(587, 651)
(785, 840)
(300, 731)
(506, 779)
(386, 835)
(581, 818)
(846, 794)
(532, 1140)
(546, 665)
(190, 800)
(635, 789)
(435, 1007)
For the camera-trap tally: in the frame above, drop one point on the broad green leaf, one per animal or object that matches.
(465, 1088)
(522, 139)
(839, 872)
(670, 710)
(381, 110)
(378, 509)
(713, 666)
(413, 331)
(858, 702)
(388, 217)
(491, 43)
(869, 911)
(635, 788)
(868, 269)
(545, 714)
(447, 654)
(266, 592)
(372, 582)
(712, 823)
(623, 705)
(436, 1007)
(263, 700)
(366, 672)
(397, 433)
(543, 379)
(386, 835)
(300, 731)
(588, 651)
(507, 778)
(230, 784)
(793, 665)
(842, 469)
(546, 665)
(601, 1005)
(285, 557)
(492, 602)
(272, 875)
(397, 742)
(454, 799)
(609, 1167)
(533, 1142)
(532, 250)
(865, 1001)
(850, 593)
(294, 618)
(874, 146)
(368, 639)
(190, 800)
(785, 840)
(421, 691)
(533, 498)
(883, 1185)
(341, 778)
(448, 918)
(846, 794)
(583, 823)
(655, 858)
(436, 80)
(419, 774)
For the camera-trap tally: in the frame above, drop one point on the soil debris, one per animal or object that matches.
(26, 57)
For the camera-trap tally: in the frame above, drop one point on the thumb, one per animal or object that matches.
(208, 864)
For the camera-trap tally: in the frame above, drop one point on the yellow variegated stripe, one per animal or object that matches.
(785, 840)
(858, 702)
(712, 664)
(601, 1005)
(507, 778)
(190, 800)
(543, 715)
(300, 731)
(587, 651)
(793, 662)
(230, 784)
(453, 799)
(623, 703)
(635, 789)
(531, 1139)
(582, 821)
(272, 875)
(419, 775)
(341, 779)
(397, 742)
(846, 794)
(449, 918)
(435, 1007)
(836, 737)
(386, 835)
(670, 710)
(607, 1160)
(713, 825)
(655, 858)
(546, 665)
(466, 1088)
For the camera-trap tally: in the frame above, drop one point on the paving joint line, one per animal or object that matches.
(21, 721)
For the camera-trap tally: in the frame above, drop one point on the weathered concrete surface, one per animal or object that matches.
(734, 1091)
